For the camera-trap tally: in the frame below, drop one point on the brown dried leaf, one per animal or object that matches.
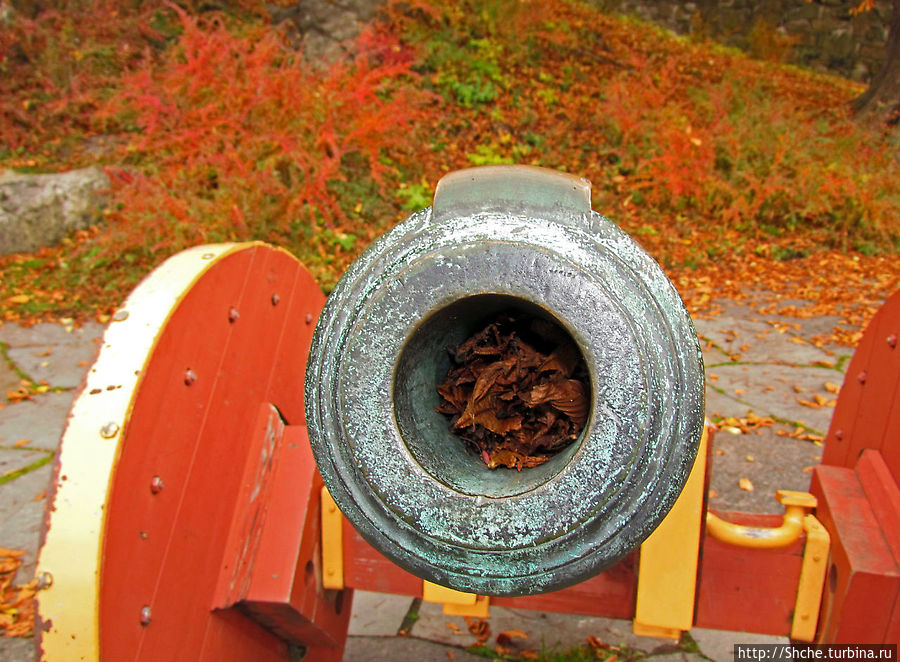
(745, 484)
(478, 627)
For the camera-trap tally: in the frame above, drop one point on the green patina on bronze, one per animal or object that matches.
(503, 238)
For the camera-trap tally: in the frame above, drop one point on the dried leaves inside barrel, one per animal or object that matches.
(517, 391)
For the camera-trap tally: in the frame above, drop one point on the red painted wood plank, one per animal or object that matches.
(748, 590)
(863, 584)
(868, 399)
(367, 569)
(193, 436)
(883, 495)
(168, 416)
(610, 594)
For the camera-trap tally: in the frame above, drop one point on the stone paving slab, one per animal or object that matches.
(718, 645)
(16, 459)
(545, 630)
(769, 461)
(760, 341)
(21, 513)
(53, 353)
(378, 614)
(402, 649)
(40, 420)
(775, 390)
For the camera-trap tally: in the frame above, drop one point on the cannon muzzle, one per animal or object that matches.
(522, 243)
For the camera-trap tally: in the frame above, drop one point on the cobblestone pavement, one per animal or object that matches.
(757, 367)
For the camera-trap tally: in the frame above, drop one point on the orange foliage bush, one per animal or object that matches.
(237, 136)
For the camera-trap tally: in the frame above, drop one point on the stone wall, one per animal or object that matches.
(820, 34)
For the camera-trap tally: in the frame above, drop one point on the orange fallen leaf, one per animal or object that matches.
(22, 442)
(740, 391)
(453, 626)
(82, 363)
(806, 470)
(712, 493)
(745, 484)
(807, 403)
(713, 377)
(478, 627)
(750, 458)
(832, 388)
(18, 298)
(529, 654)
(41, 496)
(798, 340)
(505, 637)
(821, 400)
(450, 655)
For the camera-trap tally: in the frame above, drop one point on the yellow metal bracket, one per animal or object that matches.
(812, 580)
(332, 543)
(667, 575)
(796, 505)
(815, 552)
(456, 603)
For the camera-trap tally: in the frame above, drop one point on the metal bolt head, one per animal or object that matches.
(189, 377)
(156, 485)
(892, 340)
(839, 435)
(275, 299)
(309, 318)
(145, 615)
(862, 377)
(233, 315)
(109, 430)
(45, 581)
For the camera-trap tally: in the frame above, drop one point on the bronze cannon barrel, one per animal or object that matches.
(524, 242)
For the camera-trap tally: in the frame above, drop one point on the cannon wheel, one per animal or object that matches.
(156, 530)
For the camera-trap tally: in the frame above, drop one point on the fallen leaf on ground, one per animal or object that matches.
(478, 627)
(16, 602)
(713, 494)
(832, 388)
(505, 637)
(750, 458)
(22, 442)
(745, 484)
(41, 496)
(808, 403)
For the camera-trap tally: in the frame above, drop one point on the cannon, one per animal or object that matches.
(503, 239)
(243, 454)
